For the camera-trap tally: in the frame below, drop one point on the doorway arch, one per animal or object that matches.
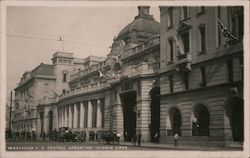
(200, 122)
(155, 113)
(174, 121)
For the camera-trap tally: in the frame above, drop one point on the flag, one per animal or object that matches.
(179, 47)
(225, 31)
(101, 74)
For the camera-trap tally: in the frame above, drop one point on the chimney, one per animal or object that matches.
(143, 10)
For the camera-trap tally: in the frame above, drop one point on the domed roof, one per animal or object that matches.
(143, 22)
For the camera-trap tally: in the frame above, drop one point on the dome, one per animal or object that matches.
(143, 22)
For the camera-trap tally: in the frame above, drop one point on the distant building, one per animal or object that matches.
(201, 76)
(38, 90)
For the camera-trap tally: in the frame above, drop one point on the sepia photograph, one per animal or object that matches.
(125, 78)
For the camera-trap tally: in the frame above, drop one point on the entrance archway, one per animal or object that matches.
(128, 101)
(200, 123)
(235, 111)
(175, 120)
(155, 113)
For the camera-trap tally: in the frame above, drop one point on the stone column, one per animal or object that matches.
(70, 116)
(81, 115)
(89, 114)
(143, 110)
(99, 114)
(75, 115)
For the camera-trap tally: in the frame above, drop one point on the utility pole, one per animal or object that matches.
(10, 134)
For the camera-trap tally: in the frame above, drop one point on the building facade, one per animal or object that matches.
(114, 93)
(201, 76)
(183, 75)
(38, 91)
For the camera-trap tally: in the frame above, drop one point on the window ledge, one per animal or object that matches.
(186, 19)
(170, 62)
(201, 13)
(170, 27)
(202, 52)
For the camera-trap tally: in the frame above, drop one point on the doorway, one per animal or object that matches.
(129, 113)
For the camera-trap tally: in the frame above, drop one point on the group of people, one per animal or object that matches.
(18, 135)
(136, 139)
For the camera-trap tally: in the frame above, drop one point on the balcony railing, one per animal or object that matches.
(91, 69)
(141, 69)
(130, 52)
(47, 101)
(80, 90)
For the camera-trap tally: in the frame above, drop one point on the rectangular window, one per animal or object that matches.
(170, 16)
(242, 68)
(184, 13)
(171, 49)
(203, 76)
(186, 79)
(202, 29)
(64, 77)
(237, 21)
(185, 41)
(201, 10)
(171, 83)
(230, 70)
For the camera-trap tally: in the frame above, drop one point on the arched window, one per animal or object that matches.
(200, 121)
(174, 121)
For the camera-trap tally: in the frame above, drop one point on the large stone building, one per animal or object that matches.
(113, 94)
(201, 76)
(183, 75)
(38, 90)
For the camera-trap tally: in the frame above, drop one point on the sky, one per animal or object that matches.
(33, 34)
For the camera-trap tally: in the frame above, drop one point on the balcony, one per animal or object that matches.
(47, 101)
(183, 62)
(140, 69)
(91, 69)
(140, 48)
(81, 90)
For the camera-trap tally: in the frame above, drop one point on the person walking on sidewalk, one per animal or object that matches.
(176, 136)
(118, 135)
(139, 138)
(134, 139)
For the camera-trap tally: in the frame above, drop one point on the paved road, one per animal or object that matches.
(75, 146)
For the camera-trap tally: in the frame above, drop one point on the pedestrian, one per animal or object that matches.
(134, 139)
(17, 134)
(118, 135)
(156, 137)
(176, 136)
(139, 138)
(43, 135)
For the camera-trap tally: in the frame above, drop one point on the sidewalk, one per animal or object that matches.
(183, 147)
